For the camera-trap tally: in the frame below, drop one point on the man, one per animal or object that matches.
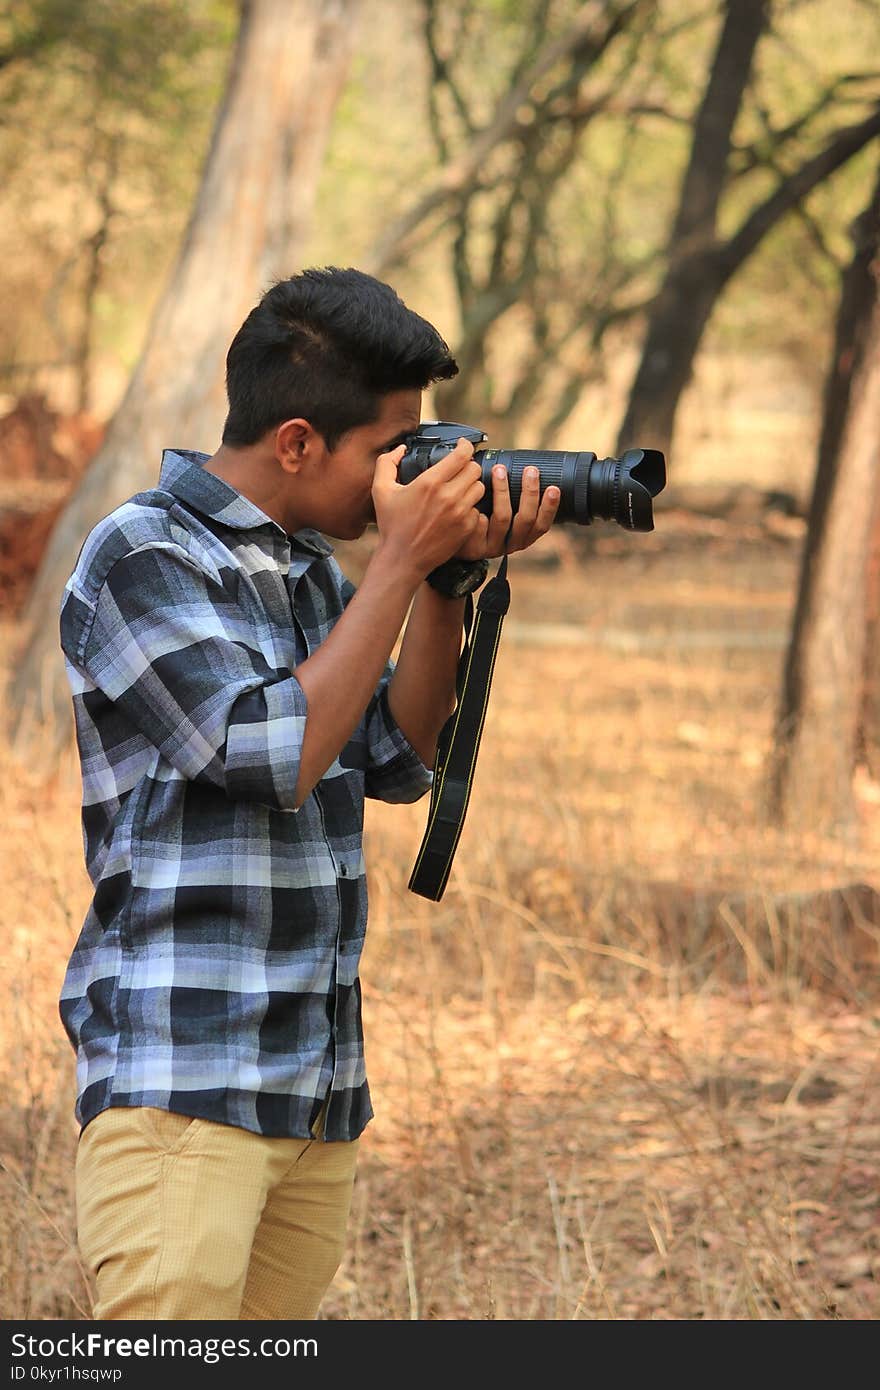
(235, 702)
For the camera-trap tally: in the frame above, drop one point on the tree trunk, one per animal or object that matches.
(294, 186)
(699, 264)
(869, 736)
(83, 364)
(677, 323)
(287, 69)
(817, 734)
(688, 293)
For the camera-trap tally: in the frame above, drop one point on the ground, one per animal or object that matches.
(627, 1067)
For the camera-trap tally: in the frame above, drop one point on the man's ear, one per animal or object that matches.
(296, 443)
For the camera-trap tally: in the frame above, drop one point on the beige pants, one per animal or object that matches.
(188, 1219)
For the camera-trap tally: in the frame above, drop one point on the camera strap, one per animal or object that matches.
(459, 740)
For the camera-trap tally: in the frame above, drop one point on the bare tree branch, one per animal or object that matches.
(460, 174)
(756, 155)
(843, 145)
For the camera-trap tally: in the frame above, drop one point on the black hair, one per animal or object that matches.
(325, 345)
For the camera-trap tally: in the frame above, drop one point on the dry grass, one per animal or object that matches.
(627, 1068)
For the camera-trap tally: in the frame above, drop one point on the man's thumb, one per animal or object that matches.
(386, 466)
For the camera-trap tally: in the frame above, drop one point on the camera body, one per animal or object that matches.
(609, 489)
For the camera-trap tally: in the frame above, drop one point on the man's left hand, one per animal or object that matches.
(533, 519)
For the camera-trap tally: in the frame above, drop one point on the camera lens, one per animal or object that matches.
(611, 489)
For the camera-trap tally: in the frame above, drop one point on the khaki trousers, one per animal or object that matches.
(187, 1219)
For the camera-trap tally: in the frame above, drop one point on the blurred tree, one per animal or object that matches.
(869, 731)
(822, 703)
(30, 28)
(508, 106)
(558, 129)
(94, 99)
(700, 260)
(289, 59)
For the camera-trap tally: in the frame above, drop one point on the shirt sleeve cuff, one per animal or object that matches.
(264, 744)
(395, 771)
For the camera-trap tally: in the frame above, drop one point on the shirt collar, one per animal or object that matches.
(183, 475)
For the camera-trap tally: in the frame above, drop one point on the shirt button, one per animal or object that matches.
(344, 871)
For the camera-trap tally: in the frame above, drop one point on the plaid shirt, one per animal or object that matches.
(216, 973)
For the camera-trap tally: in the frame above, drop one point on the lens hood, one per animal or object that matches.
(642, 475)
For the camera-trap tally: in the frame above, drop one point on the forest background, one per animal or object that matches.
(627, 1068)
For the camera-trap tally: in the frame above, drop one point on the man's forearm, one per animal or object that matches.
(422, 690)
(341, 676)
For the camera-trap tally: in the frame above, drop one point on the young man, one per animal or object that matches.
(234, 704)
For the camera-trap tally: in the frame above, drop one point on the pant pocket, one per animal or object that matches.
(165, 1130)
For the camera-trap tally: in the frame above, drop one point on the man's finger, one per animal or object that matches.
(475, 546)
(385, 471)
(527, 511)
(548, 509)
(543, 521)
(502, 508)
(452, 463)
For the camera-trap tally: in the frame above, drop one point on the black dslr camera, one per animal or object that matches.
(612, 489)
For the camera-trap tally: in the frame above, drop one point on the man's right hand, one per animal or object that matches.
(422, 523)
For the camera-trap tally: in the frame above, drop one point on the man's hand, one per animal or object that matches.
(533, 519)
(424, 522)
